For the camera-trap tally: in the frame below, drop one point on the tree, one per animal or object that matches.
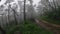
(53, 10)
(24, 10)
(14, 12)
(31, 9)
(2, 31)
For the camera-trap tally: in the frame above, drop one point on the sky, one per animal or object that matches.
(2, 2)
(34, 1)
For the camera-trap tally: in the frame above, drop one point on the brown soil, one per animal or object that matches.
(48, 26)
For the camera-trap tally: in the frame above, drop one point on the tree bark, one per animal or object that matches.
(24, 10)
(2, 31)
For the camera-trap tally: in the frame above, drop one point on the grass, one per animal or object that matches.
(50, 20)
(28, 27)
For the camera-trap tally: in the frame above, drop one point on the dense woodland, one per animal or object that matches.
(20, 14)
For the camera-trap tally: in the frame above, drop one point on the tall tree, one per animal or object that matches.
(24, 10)
(8, 14)
(31, 9)
(53, 10)
(2, 31)
(15, 14)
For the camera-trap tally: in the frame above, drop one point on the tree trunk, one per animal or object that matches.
(15, 17)
(24, 11)
(2, 31)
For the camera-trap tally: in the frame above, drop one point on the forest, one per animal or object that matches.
(29, 17)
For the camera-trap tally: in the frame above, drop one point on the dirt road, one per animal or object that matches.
(48, 26)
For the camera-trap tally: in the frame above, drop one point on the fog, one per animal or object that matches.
(15, 8)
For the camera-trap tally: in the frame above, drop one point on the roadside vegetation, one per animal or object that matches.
(57, 22)
(19, 17)
(28, 27)
(52, 14)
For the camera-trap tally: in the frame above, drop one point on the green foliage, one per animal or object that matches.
(53, 14)
(28, 27)
(50, 20)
